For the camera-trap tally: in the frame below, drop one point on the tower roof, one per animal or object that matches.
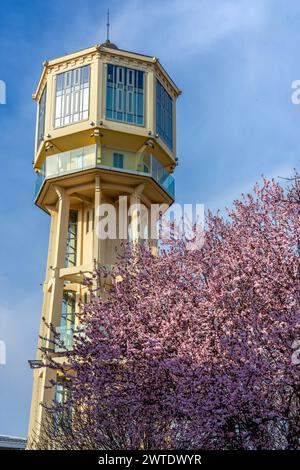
(109, 44)
(105, 47)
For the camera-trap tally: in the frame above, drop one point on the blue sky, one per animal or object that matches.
(235, 62)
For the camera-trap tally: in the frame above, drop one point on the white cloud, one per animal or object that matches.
(185, 26)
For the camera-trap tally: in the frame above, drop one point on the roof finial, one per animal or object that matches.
(107, 43)
(107, 26)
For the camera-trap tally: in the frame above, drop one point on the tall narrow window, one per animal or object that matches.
(164, 111)
(118, 160)
(67, 321)
(125, 94)
(62, 392)
(72, 96)
(42, 117)
(71, 253)
(62, 418)
(68, 309)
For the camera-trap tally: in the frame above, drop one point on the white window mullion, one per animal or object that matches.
(72, 97)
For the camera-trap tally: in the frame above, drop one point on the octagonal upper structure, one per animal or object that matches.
(108, 96)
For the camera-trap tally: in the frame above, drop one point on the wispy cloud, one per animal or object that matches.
(280, 173)
(187, 26)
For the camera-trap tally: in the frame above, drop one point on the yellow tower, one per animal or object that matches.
(106, 127)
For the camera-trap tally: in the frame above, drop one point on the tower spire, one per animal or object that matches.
(107, 43)
(107, 26)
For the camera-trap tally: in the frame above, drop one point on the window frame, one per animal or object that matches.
(72, 238)
(68, 308)
(164, 111)
(126, 69)
(67, 78)
(119, 157)
(40, 137)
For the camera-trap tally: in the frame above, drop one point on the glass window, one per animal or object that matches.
(71, 253)
(164, 111)
(118, 160)
(72, 96)
(62, 396)
(62, 393)
(67, 321)
(125, 95)
(146, 163)
(42, 117)
(68, 309)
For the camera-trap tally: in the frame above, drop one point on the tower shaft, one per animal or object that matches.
(105, 142)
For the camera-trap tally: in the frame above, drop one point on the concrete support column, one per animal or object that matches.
(134, 212)
(60, 246)
(53, 293)
(59, 254)
(152, 230)
(96, 241)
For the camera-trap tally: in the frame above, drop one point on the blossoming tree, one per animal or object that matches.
(193, 349)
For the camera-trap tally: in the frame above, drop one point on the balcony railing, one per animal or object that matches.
(99, 156)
